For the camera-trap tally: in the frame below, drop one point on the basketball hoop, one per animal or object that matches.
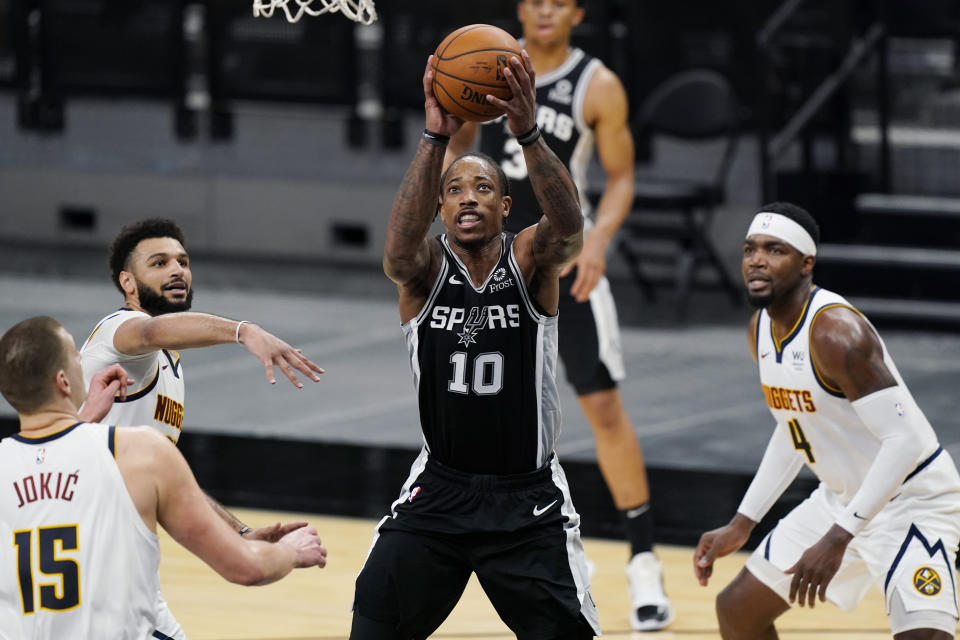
(361, 11)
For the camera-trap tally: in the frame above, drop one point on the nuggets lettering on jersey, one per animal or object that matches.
(560, 97)
(484, 361)
(800, 400)
(168, 411)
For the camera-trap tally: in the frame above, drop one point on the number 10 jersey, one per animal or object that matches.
(484, 366)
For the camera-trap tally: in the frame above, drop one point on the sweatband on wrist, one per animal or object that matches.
(436, 139)
(529, 137)
(236, 337)
(782, 227)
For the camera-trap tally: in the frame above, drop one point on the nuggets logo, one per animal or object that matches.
(927, 581)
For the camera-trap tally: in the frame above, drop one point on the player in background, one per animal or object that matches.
(81, 502)
(582, 105)
(151, 268)
(478, 309)
(887, 509)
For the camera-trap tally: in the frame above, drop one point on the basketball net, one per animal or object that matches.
(362, 11)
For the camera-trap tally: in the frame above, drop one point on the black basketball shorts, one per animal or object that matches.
(520, 534)
(589, 338)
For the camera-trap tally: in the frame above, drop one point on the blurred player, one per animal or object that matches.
(478, 306)
(887, 510)
(151, 268)
(581, 103)
(81, 502)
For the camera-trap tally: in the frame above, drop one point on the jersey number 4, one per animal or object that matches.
(487, 376)
(49, 540)
(800, 442)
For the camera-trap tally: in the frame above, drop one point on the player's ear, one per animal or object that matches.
(578, 14)
(62, 382)
(806, 265)
(506, 202)
(127, 282)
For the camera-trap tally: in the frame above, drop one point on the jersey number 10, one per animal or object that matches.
(50, 565)
(487, 376)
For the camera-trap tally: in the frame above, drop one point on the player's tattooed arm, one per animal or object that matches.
(409, 257)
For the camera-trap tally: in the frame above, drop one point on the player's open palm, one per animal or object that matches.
(306, 542)
(274, 352)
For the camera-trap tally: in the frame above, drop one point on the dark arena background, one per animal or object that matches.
(278, 147)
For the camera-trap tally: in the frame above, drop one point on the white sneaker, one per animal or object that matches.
(650, 608)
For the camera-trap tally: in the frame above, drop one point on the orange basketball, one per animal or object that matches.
(468, 65)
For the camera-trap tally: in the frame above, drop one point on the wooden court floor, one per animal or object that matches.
(314, 604)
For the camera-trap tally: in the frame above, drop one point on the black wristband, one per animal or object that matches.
(529, 137)
(436, 139)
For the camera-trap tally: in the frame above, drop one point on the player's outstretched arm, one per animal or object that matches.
(164, 490)
(188, 330)
(104, 386)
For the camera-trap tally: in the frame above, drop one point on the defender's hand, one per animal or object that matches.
(274, 352)
(306, 543)
(273, 532)
(104, 386)
(817, 566)
(718, 543)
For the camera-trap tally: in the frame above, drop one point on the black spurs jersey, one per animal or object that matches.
(484, 365)
(560, 96)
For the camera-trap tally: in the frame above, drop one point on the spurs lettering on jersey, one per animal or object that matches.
(488, 317)
(559, 125)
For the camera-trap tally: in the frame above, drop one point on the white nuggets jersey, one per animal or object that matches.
(157, 397)
(76, 559)
(822, 424)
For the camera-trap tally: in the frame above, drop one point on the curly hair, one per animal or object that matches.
(131, 235)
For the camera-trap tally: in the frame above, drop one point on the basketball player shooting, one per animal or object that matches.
(478, 307)
(582, 109)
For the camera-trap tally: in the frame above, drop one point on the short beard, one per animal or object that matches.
(157, 305)
(760, 302)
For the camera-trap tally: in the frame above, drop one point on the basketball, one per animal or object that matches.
(468, 65)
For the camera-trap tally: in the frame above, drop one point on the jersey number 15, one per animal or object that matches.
(49, 540)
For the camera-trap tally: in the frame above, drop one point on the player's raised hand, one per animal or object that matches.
(718, 543)
(437, 119)
(306, 542)
(274, 352)
(104, 386)
(521, 108)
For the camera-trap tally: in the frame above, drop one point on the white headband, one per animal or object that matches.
(780, 226)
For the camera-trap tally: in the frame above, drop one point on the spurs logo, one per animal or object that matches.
(476, 320)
